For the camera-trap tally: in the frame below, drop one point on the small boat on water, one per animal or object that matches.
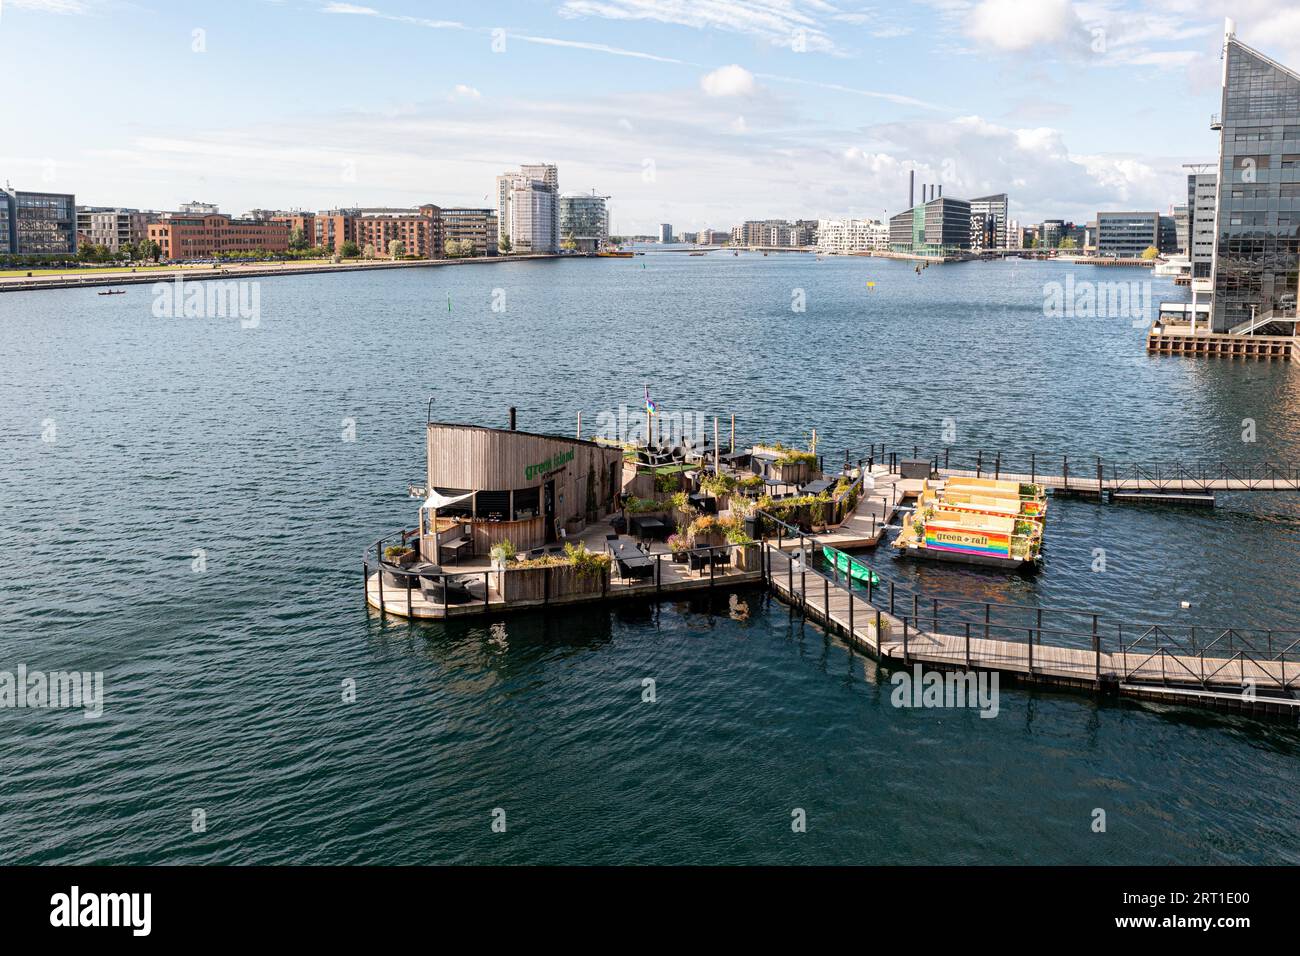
(695, 253)
(113, 292)
(615, 254)
(850, 565)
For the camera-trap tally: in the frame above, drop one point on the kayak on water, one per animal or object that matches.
(856, 569)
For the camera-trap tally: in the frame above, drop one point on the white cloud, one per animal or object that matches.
(461, 91)
(796, 24)
(733, 80)
(1014, 25)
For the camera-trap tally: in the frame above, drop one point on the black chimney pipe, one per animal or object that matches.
(911, 188)
(512, 418)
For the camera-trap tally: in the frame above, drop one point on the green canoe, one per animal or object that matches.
(856, 569)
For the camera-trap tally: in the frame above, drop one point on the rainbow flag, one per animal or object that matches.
(650, 406)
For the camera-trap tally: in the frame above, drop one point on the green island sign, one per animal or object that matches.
(552, 463)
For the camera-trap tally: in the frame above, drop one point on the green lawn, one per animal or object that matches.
(105, 270)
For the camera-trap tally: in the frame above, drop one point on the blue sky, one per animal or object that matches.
(694, 112)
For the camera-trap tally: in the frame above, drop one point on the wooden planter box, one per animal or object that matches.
(530, 584)
(746, 558)
(795, 473)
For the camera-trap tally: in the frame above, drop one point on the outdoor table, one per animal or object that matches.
(704, 503)
(651, 528)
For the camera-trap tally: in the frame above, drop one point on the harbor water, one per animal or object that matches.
(184, 503)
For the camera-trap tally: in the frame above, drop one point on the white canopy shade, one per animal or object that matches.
(436, 500)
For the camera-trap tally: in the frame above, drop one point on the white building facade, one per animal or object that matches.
(845, 236)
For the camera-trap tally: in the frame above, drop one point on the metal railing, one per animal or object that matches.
(1210, 656)
(395, 583)
(1092, 472)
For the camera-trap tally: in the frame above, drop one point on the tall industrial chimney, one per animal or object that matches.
(911, 188)
(941, 190)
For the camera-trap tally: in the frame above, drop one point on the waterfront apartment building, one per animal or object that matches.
(38, 223)
(183, 236)
(1256, 263)
(988, 216)
(714, 237)
(584, 221)
(535, 225)
(301, 224)
(665, 232)
(847, 236)
(334, 227)
(111, 227)
(939, 227)
(418, 230)
(776, 233)
(1126, 235)
(478, 227)
(1202, 201)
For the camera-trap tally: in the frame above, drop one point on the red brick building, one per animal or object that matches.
(183, 236)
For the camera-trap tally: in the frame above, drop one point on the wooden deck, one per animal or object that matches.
(1174, 482)
(870, 628)
(670, 578)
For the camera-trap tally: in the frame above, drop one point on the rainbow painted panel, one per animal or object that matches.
(986, 543)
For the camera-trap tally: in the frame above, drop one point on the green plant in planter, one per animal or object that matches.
(502, 551)
(667, 482)
(679, 543)
(681, 502)
(701, 526)
(718, 485)
(395, 551)
(586, 563)
(640, 505)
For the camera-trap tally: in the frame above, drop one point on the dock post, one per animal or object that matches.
(968, 645)
(935, 611)
(878, 633)
(1031, 651)
(916, 610)
(826, 600)
(1101, 479)
(659, 572)
(891, 597)
(407, 582)
(803, 572)
(1065, 470)
(381, 587)
(852, 633)
(997, 467)
(946, 449)
(604, 582)
(869, 577)
(906, 658)
(1040, 626)
(1096, 650)
(1033, 468)
(789, 566)
(546, 585)
(987, 612)
(979, 463)
(712, 555)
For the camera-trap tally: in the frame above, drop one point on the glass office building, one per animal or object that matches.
(6, 220)
(940, 227)
(38, 224)
(1258, 221)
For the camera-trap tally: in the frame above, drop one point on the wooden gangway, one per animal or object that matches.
(1244, 669)
(1096, 476)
